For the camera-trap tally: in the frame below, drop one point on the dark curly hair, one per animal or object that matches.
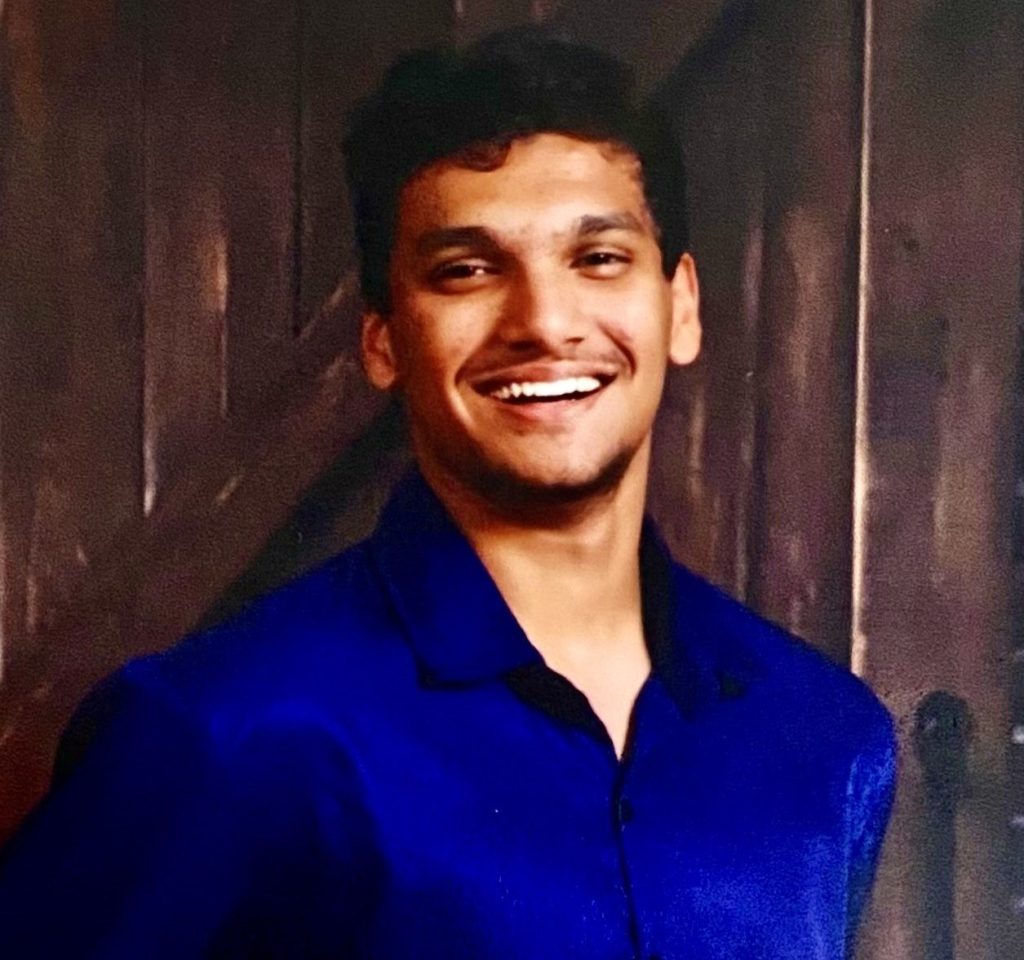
(470, 106)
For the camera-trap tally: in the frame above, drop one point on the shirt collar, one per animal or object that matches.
(462, 631)
(459, 625)
(694, 638)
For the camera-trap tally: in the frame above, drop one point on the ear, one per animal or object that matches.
(378, 351)
(684, 338)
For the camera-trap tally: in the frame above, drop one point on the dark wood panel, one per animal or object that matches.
(70, 186)
(936, 492)
(213, 216)
(338, 510)
(222, 107)
(259, 85)
(800, 549)
(700, 489)
(198, 540)
(345, 50)
(475, 19)
(188, 271)
(1016, 778)
(71, 314)
(651, 35)
(753, 477)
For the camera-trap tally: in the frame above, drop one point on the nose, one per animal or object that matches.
(542, 309)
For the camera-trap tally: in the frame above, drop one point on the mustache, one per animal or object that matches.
(544, 365)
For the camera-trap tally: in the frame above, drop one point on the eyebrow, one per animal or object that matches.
(590, 224)
(445, 237)
(480, 237)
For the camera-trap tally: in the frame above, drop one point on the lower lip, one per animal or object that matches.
(549, 411)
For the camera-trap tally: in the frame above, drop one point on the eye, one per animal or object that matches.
(457, 275)
(602, 263)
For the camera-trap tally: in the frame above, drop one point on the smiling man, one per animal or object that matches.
(507, 725)
(528, 328)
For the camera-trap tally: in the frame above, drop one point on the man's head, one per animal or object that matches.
(471, 105)
(524, 265)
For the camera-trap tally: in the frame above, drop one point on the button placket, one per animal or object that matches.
(622, 814)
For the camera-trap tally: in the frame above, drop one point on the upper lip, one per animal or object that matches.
(541, 372)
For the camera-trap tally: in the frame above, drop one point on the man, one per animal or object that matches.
(506, 726)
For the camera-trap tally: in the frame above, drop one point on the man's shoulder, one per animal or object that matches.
(324, 637)
(796, 681)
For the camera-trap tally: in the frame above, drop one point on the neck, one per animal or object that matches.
(569, 573)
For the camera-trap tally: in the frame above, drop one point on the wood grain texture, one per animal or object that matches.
(474, 19)
(259, 84)
(199, 539)
(942, 341)
(1016, 749)
(768, 107)
(700, 490)
(800, 546)
(221, 103)
(651, 35)
(337, 511)
(345, 49)
(180, 163)
(163, 378)
(70, 319)
(187, 142)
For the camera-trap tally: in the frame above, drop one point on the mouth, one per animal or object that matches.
(538, 385)
(521, 392)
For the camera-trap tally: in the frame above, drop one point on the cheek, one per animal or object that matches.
(431, 353)
(639, 319)
(642, 337)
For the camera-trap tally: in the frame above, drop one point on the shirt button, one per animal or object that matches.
(625, 812)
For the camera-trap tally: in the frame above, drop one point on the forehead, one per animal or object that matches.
(542, 181)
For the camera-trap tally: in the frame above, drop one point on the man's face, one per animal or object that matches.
(531, 322)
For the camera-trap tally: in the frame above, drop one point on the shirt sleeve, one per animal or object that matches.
(870, 795)
(149, 843)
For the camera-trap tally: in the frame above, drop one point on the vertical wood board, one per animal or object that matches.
(238, 419)
(70, 192)
(187, 267)
(344, 52)
(769, 108)
(704, 442)
(651, 35)
(474, 19)
(220, 88)
(800, 543)
(943, 314)
(260, 87)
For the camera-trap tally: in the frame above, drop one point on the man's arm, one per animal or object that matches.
(870, 795)
(148, 845)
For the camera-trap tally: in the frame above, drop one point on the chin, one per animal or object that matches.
(511, 485)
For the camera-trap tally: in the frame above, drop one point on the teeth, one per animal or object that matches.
(547, 388)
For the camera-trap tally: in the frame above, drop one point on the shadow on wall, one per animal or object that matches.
(339, 510)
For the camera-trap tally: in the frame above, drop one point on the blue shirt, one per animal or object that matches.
(374, 762)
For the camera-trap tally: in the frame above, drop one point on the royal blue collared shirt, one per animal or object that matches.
(374, 762)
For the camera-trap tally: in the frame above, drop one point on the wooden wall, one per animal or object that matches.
(184, 424)
(177, 302)
(847, 450)
(940, 372)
